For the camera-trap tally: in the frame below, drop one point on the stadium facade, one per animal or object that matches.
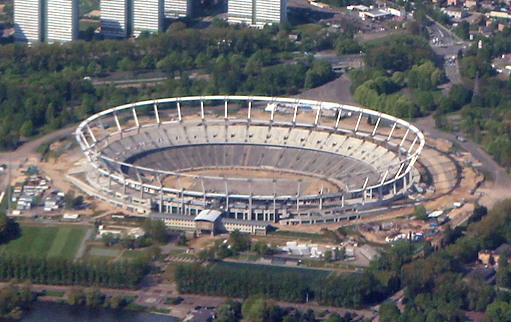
(253, 158)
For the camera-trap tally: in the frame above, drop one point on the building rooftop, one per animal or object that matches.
(71, 216)
(210, 215)
(245, 222)
(376, 13)
(156, 215)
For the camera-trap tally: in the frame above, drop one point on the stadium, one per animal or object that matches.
(252, 158)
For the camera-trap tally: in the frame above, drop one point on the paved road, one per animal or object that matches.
(27, 150)
(502, 179)
(97, 82)
(448, 46)
(445, 44)
(338, 91)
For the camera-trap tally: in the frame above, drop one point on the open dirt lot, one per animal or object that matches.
(286, 183)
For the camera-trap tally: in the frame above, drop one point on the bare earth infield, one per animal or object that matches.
(286, 183)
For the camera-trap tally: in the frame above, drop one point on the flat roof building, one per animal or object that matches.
(147, 16)
(211, 221)
(62, 20)
(115, 18)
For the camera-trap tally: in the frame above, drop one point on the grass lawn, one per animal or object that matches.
(133, 254)
(54, 293)
(61, 241)
(306, 272)
(66, 242)
(103, 252)
(248, 257)
(176, 252)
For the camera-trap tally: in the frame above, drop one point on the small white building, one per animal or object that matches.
(70, 217)
(102, 230)
(455, 12)
(396, 12)
(136, 233)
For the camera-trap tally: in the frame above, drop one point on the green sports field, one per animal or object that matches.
(61, 241)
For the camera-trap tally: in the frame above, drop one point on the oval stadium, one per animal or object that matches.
(249, 158)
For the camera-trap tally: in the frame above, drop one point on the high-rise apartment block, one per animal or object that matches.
(177, 8)
(46, 20)
(257, 13)
(147, 16)
(270, 12)
(124, 18)
(62, 20)
(240, 11)
(115, 18)
(28, 20)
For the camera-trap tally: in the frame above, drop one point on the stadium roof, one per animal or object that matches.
(208, 215)
(245, 222)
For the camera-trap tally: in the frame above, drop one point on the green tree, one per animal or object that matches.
(115, 301)
(394, 258)
(451, 235)
(478, 213)
(229, 311)
(27, 129)
(499, 311)
(77, 202)
(69, 198)
(254, 308)
(108, 239)
(389, 312)
(182, 240)
(93, 297)
(261, 247)
(462, 30)
(420, 212)
(156, 230)
(328, 256)
(320, 73)
(239, 242)
(76, 296)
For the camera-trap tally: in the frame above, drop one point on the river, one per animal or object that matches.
(55, 312)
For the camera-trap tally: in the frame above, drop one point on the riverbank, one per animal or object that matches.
(58, 312)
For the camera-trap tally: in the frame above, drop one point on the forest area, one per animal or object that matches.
(45, 87)
(59, 271)
(437, 284)
(485, 113)
(402, 77)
